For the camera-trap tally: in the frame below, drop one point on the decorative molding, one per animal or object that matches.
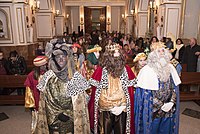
(143, 6)
(20, 22)
(47, 3)
(177, 23)
(183, 7)
(141, 26)
(39, 25)
(170, 2)
(9, 25)
(92, 3)
(8, 30)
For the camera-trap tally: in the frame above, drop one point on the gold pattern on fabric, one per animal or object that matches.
(29, 99)
(56, 103)
(42, 126)
(53, 101)
(113, 96)
(81, 120)
(174, 62)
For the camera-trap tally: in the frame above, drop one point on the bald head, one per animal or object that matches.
(193, 41)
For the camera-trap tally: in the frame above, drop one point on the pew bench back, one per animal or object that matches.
(12, 81)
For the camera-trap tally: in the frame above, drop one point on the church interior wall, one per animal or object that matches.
(115, 17)
(18, 17)
(191, 18)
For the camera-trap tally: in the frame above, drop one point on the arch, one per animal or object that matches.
(4, 29)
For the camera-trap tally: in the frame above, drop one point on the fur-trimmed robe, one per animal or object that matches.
(99, 81)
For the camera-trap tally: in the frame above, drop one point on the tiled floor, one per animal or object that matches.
(20, 119)
(189, 125)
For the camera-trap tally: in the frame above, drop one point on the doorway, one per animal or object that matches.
(95, 19)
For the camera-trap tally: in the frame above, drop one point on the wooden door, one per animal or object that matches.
(88, 20)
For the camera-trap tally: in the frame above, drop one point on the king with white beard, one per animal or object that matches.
(157, 94)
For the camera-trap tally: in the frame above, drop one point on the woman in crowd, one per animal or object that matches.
(139, 62)
(78, 55)
(179, 45)
(32, 93)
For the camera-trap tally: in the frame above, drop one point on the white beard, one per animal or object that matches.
(163, 62)
(161, 67)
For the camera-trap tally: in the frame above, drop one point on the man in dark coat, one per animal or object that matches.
(190, 55)
(16, 64)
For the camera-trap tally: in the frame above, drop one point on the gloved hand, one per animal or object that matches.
(62, 117)
(117, 110)
(167, 106)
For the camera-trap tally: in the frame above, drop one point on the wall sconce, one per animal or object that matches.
(35, 6)
(108, 21)
(153, 6)
(57, 12)
(123, 18)
(67, 16)
(82, 22)
(133, 11)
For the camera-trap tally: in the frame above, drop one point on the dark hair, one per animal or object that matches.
(180, 40)
(114, 65)
(36, 73)
(155, 38)
(136, 67)
(164, 39)
(13, 53)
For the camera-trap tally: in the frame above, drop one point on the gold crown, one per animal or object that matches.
(139, 56)
(112, 47)
(157, 45)
(96, 48)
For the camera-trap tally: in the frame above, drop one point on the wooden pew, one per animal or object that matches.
(30, 65)
(12, 81)
(188, 79)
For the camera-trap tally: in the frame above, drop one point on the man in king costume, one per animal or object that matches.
(111, 106)
(157, 94)
(63, 106)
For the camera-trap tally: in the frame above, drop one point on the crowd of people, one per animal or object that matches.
(84, 84)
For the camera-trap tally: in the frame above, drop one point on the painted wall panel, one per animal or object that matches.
(75, 18)
(59, 25)
(44, 26)
(6, 13)
(115, 17)
(191, 18)
(20, 26)
(173, 15)
(142, 25)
